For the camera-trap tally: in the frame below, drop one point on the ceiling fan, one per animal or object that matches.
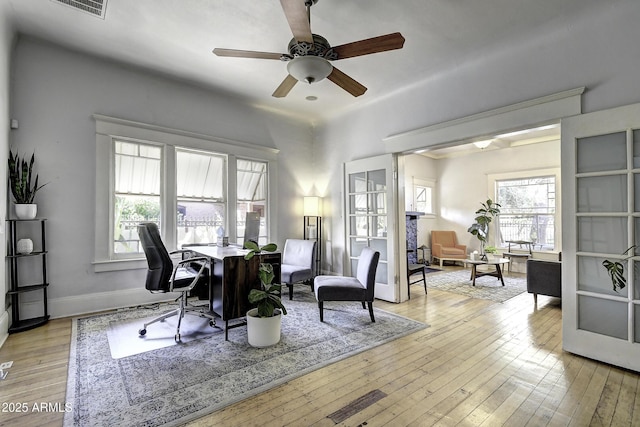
(309, 54)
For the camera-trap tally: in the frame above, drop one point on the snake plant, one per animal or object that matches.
(20, 173)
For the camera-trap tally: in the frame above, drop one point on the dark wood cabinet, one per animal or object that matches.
(20, 261)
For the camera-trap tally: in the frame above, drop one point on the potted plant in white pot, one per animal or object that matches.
(20, 174)
(265, 320)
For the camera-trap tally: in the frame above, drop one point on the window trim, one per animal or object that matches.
(492, 189)
(110, 128)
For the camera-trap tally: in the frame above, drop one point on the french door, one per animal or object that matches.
(370, 201)
(601, 205)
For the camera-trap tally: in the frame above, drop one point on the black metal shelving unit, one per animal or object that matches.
(16, 289)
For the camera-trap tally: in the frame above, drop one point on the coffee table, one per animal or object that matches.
(497, 262)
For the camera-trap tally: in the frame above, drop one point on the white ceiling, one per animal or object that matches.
(176, 37)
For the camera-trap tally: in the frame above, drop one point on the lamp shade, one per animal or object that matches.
(309, 69)
(311, 206)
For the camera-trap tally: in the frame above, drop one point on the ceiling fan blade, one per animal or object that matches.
(373, 45)
(346, 82)
(298, 18)
(247, 54)
(287, 84)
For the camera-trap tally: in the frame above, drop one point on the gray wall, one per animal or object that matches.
(54, 94)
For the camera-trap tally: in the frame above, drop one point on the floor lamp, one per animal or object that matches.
(312, 211)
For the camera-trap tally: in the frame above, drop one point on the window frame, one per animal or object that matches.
(110, 128)
(533, 173)
(425, 183)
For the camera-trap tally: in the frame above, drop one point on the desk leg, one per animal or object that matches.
(499, 271)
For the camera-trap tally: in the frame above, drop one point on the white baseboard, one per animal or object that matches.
(4, 327)
(92, 303)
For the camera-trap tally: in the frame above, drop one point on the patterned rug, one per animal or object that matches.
(487, 287)
(176, 384)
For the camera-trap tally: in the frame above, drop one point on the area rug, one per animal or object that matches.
(179, 383)
(487, 287)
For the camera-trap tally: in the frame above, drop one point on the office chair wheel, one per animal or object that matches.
(142, 332)
(212, 323)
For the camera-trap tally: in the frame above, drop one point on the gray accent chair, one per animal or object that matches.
(544, 278)
(344, 288)
(298, 263)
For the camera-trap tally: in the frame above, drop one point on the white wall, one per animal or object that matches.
(6, 40)
(575, 55)
(54, 94)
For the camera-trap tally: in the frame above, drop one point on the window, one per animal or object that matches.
(423, 199)
(136, 195)
(528, 210)
(423, 196)
(251, 196)
(200, 195)
(191, 185)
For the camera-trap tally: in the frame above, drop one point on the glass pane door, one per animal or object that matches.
(601, 184)
(370, 218)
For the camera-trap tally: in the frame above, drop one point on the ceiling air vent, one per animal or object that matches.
(93, 7)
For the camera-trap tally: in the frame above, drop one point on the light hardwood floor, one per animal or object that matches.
(479, 363)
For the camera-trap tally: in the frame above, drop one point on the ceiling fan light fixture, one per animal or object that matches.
(309, 69)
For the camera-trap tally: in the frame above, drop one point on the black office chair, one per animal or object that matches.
(162, 276)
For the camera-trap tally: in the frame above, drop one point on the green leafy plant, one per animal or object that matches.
(267, 298)
(490, 250)
(484, 216)
(20, 174)
(616, 270)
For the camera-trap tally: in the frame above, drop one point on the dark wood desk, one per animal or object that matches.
(231, 278)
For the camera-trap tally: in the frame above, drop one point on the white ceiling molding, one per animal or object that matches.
(516, 116)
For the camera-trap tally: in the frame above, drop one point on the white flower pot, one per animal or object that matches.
(26, 211)
(263, 331)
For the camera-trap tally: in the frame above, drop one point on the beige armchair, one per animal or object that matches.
(445, 247)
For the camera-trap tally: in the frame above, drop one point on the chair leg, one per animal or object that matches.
(424, 280)
(370, 304)
(290, 286)
(321, 311)
(363, 307)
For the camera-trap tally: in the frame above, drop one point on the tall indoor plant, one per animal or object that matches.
(480, 228)
(265, 320)
(22, 187)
